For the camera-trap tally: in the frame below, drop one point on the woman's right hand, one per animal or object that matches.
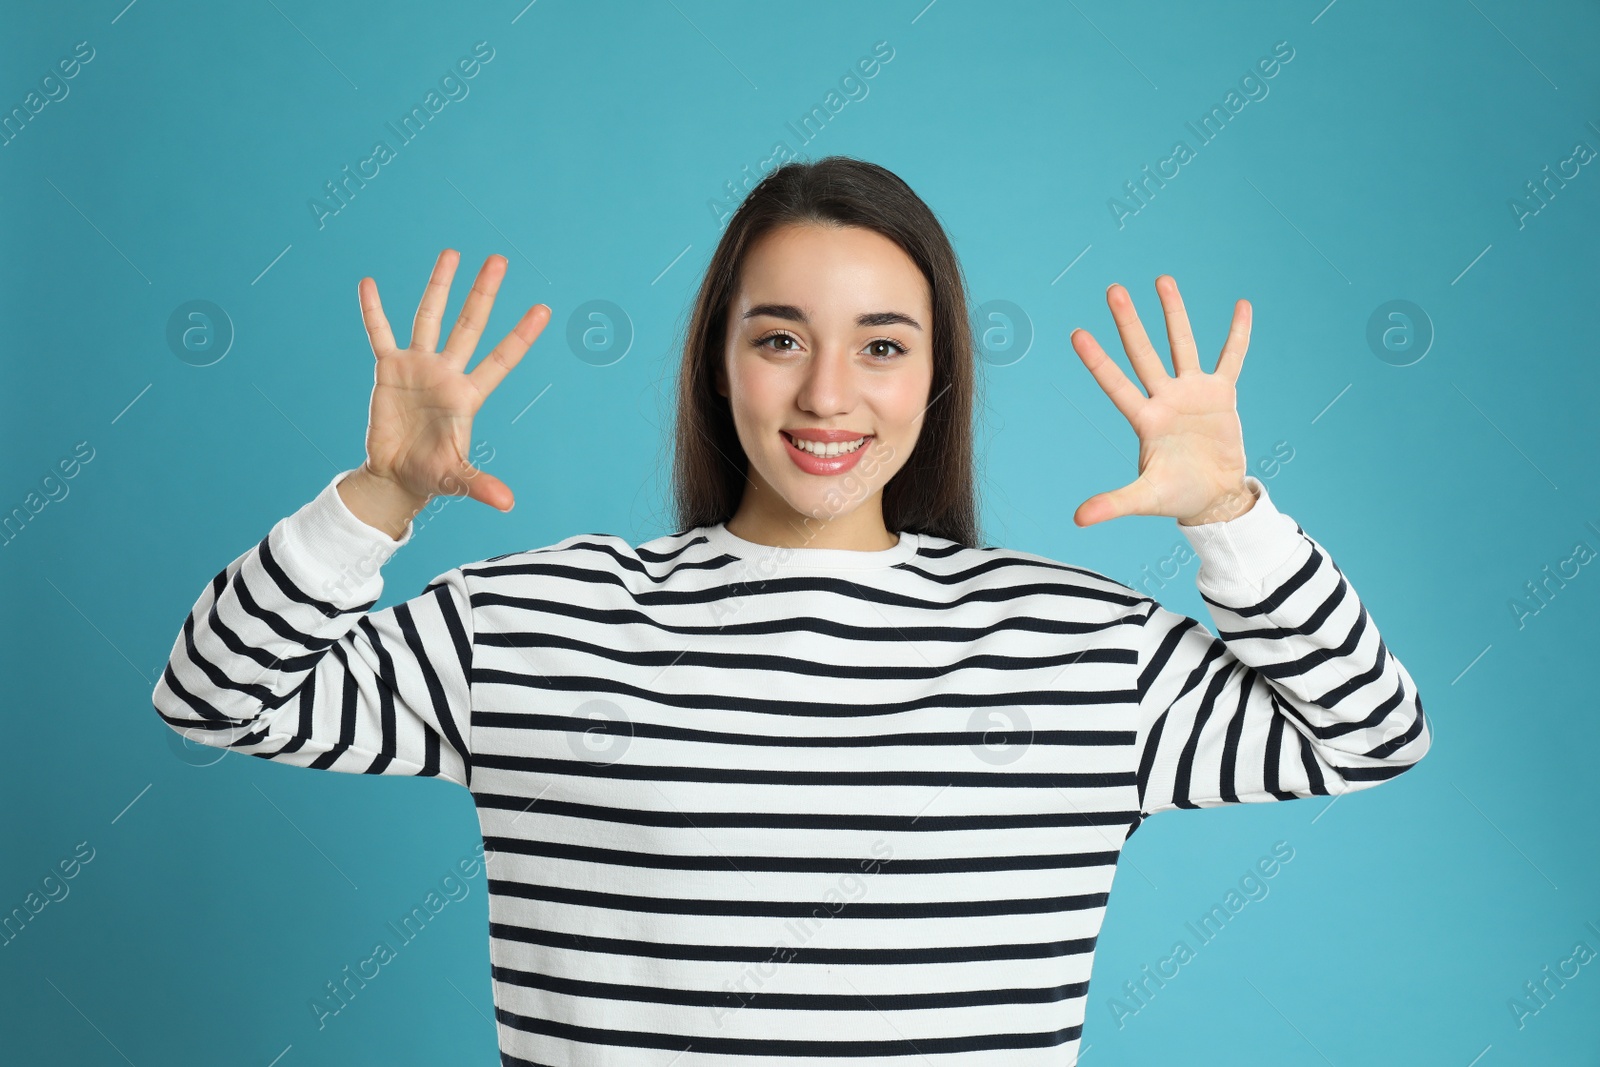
(419, 427)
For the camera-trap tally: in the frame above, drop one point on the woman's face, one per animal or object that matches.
(829, 331)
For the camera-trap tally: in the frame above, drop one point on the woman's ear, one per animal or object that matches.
(719, 378)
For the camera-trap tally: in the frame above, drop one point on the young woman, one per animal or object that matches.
(818, 776)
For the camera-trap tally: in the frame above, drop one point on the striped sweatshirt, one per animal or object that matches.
(748, 805)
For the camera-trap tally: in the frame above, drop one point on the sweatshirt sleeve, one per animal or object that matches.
(282, 658)
(1299, 697)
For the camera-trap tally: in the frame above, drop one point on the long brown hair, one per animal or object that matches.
(934, 491)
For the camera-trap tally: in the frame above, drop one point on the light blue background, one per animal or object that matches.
(1380, 166)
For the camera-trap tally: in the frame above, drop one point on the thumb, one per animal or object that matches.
(487, 489)
(1135, 498)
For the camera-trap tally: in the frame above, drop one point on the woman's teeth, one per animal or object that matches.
(819, 448)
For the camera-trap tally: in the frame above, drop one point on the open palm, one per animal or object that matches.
(419, 428)
(1191, 446)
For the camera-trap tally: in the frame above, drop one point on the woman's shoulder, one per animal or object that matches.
(997, 566)
(588, 551)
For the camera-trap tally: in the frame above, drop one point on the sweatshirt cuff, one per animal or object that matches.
(331, 554)
(1246, 549)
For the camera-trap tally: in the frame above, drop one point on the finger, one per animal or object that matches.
(378, 332)
(1135, 498)
(1185, 357)
(487, 489)
(1145, 359)
(425, 327)
(1232, 358)
(1123, 393)
(492, 369)
(475, 310)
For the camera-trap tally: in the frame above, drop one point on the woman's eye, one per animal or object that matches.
(776, 337)
(895, 348)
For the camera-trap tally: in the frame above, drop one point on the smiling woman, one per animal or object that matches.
(833, 309)
(791, 388)
(817, 776)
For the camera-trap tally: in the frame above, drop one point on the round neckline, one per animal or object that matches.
(723, 539)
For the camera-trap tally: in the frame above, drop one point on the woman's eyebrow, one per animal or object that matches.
(870, 318)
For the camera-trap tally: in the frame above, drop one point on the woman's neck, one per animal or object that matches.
(779, 525)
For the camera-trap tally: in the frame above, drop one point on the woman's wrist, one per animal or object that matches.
(380, 502)
(1226, 507)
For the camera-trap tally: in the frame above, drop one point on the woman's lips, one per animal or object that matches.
(823, 465)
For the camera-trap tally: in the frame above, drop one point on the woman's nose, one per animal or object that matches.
(827, 384)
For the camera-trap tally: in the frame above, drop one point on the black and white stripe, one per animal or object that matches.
(744, 815)
(1297, 695)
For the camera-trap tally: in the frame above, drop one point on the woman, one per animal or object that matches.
(817, 776)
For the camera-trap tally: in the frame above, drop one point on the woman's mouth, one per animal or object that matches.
(818, 457)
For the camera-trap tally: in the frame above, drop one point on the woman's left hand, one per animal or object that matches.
(1191, 447)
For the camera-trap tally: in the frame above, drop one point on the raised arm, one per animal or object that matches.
(281, 656)
(1299, 697)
